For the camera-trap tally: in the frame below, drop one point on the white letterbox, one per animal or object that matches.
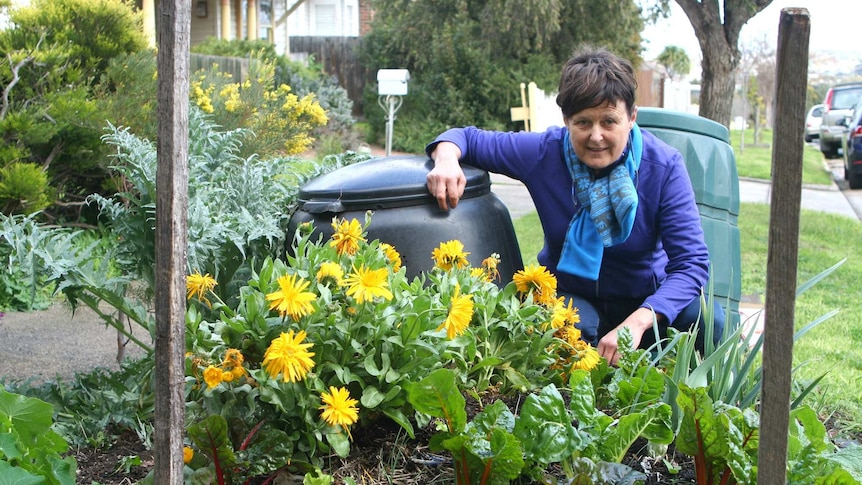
(392, 82)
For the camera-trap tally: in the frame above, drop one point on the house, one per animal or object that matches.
(274, 20)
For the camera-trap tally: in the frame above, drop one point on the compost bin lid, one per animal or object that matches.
(676, 120)
(383, 182)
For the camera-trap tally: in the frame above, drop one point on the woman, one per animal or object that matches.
(622, 230)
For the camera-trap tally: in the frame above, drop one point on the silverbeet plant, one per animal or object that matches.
(497, 447)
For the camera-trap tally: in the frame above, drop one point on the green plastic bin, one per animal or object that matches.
(711, 164)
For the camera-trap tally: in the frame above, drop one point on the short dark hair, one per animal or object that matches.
(594, 76)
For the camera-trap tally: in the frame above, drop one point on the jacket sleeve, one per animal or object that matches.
(682, 237)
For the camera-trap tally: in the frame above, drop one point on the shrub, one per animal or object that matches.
(303, 80)
(23, 189)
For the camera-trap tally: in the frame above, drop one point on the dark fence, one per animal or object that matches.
(339, 57)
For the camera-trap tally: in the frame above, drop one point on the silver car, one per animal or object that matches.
(812, 122)
(839, 103)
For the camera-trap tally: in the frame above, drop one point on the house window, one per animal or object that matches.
(325, 19)
(264, 20)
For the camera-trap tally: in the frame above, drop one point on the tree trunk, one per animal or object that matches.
(718, 36)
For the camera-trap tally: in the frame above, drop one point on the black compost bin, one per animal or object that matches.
(405, 215)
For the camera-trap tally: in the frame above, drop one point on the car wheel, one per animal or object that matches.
(854, 180)
(828, 150)
(808, 138)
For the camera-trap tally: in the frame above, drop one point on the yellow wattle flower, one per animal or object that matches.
(338, 408)
(365, 284)
(290, 299)
(450, 254)
(199, 285)
(460, 314)
(346, 236)
(288, 356)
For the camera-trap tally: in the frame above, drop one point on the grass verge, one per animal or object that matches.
(834, 346)
(754, 160)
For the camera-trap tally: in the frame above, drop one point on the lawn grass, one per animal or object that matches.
(835, 346)
(755, 161)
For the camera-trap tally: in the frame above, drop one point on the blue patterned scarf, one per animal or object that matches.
(606, 209)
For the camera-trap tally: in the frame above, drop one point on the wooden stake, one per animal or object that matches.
(783, 245)
(174, 24)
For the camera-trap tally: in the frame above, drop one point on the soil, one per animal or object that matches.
(380, 454)
(384, 455)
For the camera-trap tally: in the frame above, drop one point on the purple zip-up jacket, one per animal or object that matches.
(665, 259)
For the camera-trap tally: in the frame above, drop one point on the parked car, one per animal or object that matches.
(852, 148)
(812, 122)
(837, 106)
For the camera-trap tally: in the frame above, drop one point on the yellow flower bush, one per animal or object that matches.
(360, 332)
(279, 122)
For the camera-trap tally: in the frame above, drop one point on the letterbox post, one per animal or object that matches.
(391, 86)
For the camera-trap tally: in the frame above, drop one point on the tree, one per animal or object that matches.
(717, 30)
(675, 61)
(467, 58)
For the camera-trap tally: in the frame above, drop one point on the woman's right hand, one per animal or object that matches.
(446, 181)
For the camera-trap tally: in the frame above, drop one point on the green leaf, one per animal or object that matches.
(399, 417)
(10, 475)
(31, 418)
(438, 396)
(339, 442)
(371, 397)
(545, 427)
(211, 437)
(653, 423)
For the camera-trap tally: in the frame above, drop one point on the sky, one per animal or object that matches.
(834, 24)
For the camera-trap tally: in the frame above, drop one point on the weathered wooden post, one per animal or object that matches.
(174, 26)
(783, 246)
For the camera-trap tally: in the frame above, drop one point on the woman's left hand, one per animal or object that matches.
(638, 323)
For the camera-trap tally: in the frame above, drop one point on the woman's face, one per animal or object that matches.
(599, 135)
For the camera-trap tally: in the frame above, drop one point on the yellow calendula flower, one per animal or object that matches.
(288, 356)
(392, 255)
(365, 284)
(460, 314)
(212, 376)
(199, 285)
(536, 279)
(338, 408)
(233, 357)
(238, 372)
(569, 334)
(290, 299)
(564, 314)
(450, 254)
(584, 356)
(490, 265)
(347, 236)
(227, 376)
(188, 454)
(330, 272)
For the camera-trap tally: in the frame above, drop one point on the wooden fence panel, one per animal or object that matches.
(339, 57)
(236, 66)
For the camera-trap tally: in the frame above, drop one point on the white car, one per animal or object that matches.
(812, 122)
